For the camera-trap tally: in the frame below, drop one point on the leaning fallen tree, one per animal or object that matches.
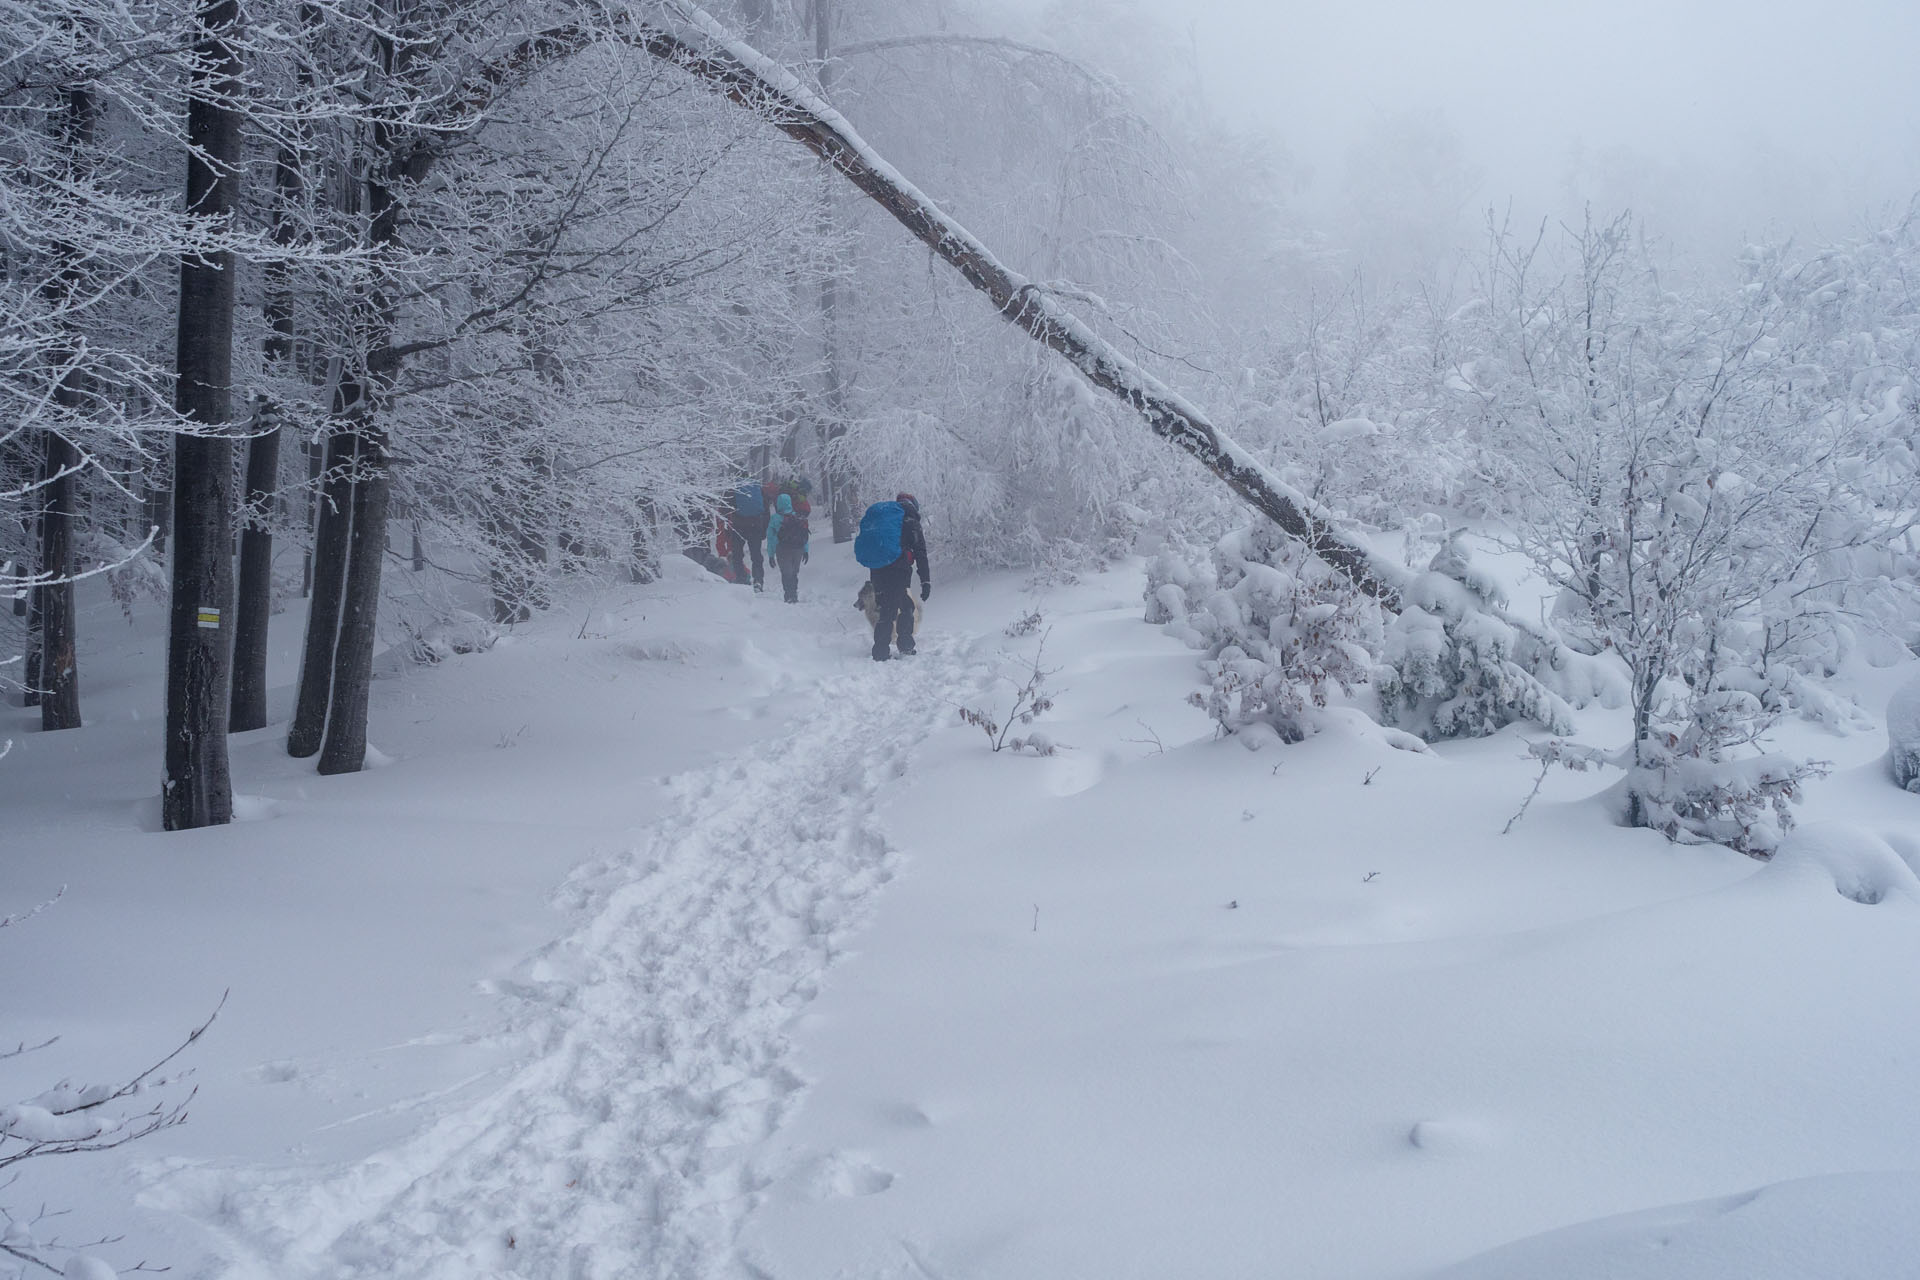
(1508, 676)
(749, 78)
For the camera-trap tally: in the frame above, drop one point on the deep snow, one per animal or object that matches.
(678, 939)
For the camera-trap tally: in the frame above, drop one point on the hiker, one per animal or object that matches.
(747, 522)
(890, 544)
(787, 537)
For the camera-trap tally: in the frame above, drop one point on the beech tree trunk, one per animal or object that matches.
(330, 542)
(398, 159)
(344, 749)
(57, 680)
(840, 475)
(253, 609)
(316, 466)
(253, 604)
(198, 791)
(30, 664)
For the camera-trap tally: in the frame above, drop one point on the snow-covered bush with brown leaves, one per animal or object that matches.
(1693, 793)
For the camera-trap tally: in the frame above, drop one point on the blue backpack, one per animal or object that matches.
(877, 545)
(748, 501)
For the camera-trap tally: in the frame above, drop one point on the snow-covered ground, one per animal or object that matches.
(675, 938)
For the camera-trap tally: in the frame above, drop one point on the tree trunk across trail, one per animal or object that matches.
(747, 77)
(762, 86)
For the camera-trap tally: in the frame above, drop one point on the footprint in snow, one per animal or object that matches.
(847, 1173)
(1447, 1137)
(904, 1115)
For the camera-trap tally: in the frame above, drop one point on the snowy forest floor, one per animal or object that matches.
(675, 938)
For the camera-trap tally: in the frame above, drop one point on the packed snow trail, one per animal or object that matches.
(661, 1026)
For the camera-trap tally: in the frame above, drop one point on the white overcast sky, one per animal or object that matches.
(1784, 95)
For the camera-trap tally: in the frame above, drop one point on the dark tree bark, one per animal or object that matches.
(30, 664)
(345, 747)
(198, 791)
(253, 604)
(253, 607)
(316, 467)
(399, 161)
(330, 543)
(57, 681)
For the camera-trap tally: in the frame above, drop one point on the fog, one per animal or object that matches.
(1716, 120)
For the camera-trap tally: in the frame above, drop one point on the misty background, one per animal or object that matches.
(1397, 124)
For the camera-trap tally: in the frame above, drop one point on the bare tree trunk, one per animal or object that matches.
(198, 790)
(330, 542)
(54, 673)
(345, 747)
(58, 679)
(316, 467)
(30, 664)
(839, 472)
(253, 605)
(253, 609)
(398, 160)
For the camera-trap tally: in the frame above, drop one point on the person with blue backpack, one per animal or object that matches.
(787, 538)
(747, 525)
(890, 545)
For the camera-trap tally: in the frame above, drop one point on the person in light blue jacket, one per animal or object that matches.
(787, 537)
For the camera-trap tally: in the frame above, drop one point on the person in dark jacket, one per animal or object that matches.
(787, 538)
(891, 584)
(745, 531)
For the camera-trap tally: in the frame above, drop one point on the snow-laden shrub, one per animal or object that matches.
(1031, 700)
(1281, 632)
(1692, 798)
(456, 631)
(1452, 668)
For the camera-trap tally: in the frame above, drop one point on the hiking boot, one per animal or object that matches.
(882, 657)
(908, 653)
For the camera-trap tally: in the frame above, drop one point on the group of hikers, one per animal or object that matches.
(762, 522)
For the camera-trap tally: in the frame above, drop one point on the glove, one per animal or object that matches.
(926, 588)
(803, 557)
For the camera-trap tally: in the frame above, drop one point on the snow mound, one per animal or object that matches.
(1856, 1226)
(1860, 865)
(1903, 734)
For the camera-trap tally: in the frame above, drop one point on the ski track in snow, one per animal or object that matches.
(660, 1024)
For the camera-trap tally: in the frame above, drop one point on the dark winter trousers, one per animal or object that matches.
(895, 623)
(744, 541)
(788, 558)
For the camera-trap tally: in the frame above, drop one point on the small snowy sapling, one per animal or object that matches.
(71, 1119)
(1031, 699)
